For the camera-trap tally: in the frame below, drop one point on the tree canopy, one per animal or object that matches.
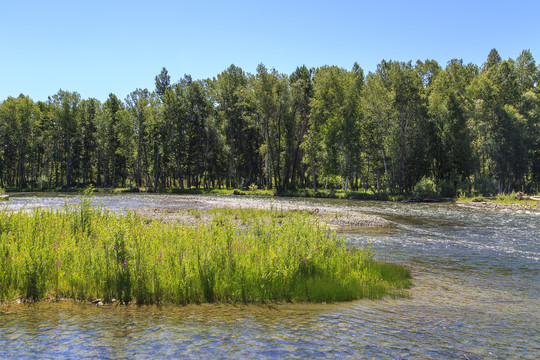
(467, 127)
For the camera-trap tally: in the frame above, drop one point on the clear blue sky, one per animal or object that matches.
(97, 47)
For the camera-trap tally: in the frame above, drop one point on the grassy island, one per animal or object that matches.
(86, 253)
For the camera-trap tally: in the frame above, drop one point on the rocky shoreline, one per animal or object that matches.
(334, 220)
(349, 220)
(499, 206)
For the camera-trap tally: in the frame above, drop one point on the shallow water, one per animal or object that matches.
(476, 294)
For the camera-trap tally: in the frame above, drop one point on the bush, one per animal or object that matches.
(513, 196)
(42, 182)
(334, 182)
(485, 186)
(425, 188)
(446, 188)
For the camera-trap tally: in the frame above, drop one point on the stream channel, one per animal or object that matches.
(476, 295)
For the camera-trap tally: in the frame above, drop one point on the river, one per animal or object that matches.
(476, 295)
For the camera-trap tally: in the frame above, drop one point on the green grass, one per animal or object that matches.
(321, 193)
(502, 199)
(335, 194)
(511, 198)
(253, 215)
(218, 191)
(87, 252)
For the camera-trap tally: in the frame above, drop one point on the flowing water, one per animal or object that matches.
(476, 295)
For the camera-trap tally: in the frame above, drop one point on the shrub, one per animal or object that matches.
(42, 182)
(485, 186)
(425, 188)
(446, 188)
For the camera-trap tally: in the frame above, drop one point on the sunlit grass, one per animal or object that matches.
(253, 191)
(88, 252)
(509, 198)
(514, 199)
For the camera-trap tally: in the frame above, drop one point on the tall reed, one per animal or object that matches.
(86, 252)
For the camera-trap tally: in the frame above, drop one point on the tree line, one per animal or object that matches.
(464, 126)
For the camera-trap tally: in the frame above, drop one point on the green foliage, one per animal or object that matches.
(446, 188)
(449, 187)
(382, 132)
(20, 120)
(87, 252)
(484, 186)
(509, 198)
(425, 188)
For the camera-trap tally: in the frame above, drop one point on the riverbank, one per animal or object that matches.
(501, 206)
(301, 193)
(475, 272)
(89, 253)
(298, 193)
(192, 212)
(334, 220)
(512, 201)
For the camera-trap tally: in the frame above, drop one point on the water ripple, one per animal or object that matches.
(476, 295)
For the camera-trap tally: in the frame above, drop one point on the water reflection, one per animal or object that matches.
(365, 329)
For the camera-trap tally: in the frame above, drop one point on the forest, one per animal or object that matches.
(466, 128)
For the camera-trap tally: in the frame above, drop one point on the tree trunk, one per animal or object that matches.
(138, 176)
(21, 163)
(297, 149)
(157, 172)
(278, 171)
(113, 182)
(311, 162)
(269, 155)
(384, 158)
(179, 172)
(68, 169)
